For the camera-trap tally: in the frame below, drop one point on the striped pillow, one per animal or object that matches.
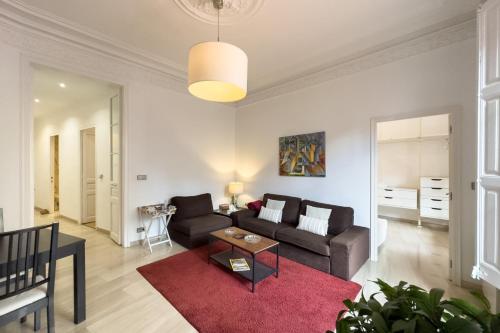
(313, 225)
(271, 215)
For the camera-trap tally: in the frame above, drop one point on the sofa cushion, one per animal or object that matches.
(192, 206)
(291, 210)
(341, 218)
(306, 240)
(261, 227)
(200, 225)
(271, 215)
(314, 225)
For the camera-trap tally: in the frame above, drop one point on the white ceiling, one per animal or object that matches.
(79, 90)
(283, 39)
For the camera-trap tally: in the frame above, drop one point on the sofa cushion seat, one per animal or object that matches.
(262, 227)
(202, 224)
(306, 240)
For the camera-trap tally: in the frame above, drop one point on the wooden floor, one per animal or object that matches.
(416, 255)
(120, 300)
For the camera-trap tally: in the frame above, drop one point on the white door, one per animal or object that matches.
(88, 175)
(116, 224)
(488, 196)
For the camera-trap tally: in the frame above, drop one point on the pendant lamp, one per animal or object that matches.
(217, 71)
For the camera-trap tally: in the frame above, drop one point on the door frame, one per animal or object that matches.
(455, 183)
(83, 201)
(27, 138)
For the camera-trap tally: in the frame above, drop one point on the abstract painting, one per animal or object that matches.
(303, 155)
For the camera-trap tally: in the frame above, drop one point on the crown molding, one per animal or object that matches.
(40, 33)
(46, 23)
(450, 32)
(40, 48)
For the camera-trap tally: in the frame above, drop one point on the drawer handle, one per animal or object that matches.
(436, 200)
(437, 179)
(436, 208)
(388, 189)
(388, 197)
(436, 188)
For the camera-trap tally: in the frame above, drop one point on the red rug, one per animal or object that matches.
(215, 300)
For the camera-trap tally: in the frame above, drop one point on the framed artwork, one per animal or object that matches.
(303, 155)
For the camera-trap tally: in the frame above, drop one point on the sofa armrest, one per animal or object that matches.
(349, 251)
(241, 215)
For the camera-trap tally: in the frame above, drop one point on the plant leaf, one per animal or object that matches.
(480, 296)
(461, 325)
(379, 323)
(435, 296)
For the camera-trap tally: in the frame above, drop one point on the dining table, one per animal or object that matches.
(67, 246)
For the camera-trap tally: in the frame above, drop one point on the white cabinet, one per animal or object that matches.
(397, 197)
(434, 197)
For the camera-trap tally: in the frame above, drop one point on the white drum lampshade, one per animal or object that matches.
(217, 72)
(235, 188)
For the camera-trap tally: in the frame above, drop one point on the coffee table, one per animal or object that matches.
(258, 270)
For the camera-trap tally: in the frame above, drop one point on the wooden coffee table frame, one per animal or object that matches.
(258, 270)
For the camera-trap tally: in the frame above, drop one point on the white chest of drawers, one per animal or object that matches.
(434, 197)
(397, 197)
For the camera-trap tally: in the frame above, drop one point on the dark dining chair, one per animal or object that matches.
(25, 286)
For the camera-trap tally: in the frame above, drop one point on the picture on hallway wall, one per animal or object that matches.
(303, 155)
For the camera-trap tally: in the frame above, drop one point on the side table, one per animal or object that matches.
(150, 214)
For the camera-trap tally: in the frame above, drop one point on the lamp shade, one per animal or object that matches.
(235, 188)
(217, 72)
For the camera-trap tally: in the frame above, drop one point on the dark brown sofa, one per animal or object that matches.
(341, 252)
(194, 220)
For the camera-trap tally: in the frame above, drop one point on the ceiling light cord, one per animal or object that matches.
(218, 4)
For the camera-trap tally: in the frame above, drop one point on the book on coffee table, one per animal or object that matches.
(239, 265)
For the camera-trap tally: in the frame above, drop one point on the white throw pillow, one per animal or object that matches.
(313, 225)
(318, 213)
(275, 204)
(271, 215)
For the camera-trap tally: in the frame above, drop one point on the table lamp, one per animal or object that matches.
(235, 188)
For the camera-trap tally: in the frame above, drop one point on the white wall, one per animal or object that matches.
(68, 124)
(10, 137)
(343, 108)
(184, 145)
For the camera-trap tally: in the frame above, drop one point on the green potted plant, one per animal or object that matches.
(411, 309)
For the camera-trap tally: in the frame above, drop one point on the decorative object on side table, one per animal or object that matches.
(303, 155)
(235, 188)
(226, 212)
(151, 213)
(412, 309)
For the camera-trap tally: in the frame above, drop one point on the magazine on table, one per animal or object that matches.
(239, 265)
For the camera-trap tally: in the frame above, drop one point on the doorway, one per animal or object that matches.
(413, 221)
(88, 177)
(82, 118)
(54, 174)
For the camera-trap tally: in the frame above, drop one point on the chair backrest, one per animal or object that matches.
(24, 254)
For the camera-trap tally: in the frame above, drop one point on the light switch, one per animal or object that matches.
(142, 177)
